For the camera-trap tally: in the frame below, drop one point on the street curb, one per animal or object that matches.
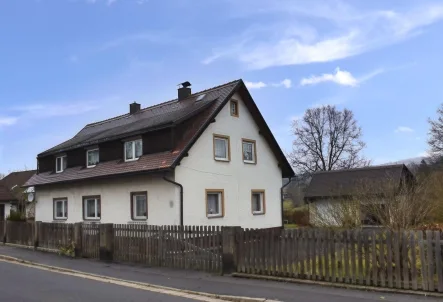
(39, 249)
(338, 285)
(146, 285)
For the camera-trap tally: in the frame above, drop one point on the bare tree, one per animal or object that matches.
(341, 213)
(327, 139)
(435, 139)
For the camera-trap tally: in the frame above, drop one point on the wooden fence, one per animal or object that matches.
(408, 260)
(20, 232)
(90, 234)
(55, 235)
(187, 247)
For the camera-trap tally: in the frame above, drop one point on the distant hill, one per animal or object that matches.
(409, 161)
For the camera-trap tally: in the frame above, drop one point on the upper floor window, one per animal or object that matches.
(139, 205)
(92, 157)
(60, 208)
(221, 148)
(133, 150)
(249, 151)
(234, 108)
(61, 163)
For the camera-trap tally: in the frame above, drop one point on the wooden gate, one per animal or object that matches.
(90, 240)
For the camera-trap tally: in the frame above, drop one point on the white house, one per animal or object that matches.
(206, 158)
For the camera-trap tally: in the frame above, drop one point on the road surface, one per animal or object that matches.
(24, 284)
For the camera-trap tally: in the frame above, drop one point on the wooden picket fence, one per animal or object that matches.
(55, 235)
(20, 233)
(408, 260)
(188, 247)
(90, 240)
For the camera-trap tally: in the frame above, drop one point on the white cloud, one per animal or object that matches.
(255, 85)
(340, 77)
(7, 121)
(349, 32)
(287, 83)
(404, 129)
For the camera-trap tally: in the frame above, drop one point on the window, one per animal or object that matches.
(139, 205)
(221, 148)
(133, 150)
(60, 208)
(60, 164)
(249, 151)
(214, 203)
(258, 202)
(91, 208)
(234, 108)
(92, 157)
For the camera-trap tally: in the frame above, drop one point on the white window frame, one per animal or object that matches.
(64, 202)
(254, 157)
(63, 158)
(262, 202)
(97, 207)
(234, 114)
(227, 147)
(87, 157)
(133, 149)
(134, 205)
(220, 194)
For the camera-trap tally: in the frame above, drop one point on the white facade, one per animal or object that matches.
(197, 172)
(115, 196)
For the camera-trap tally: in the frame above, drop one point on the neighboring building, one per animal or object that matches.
(328, 189)
(11, 191)
(207, 158)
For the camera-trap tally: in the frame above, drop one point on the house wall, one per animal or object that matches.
(7, 208)
(199, 171)
(163, 197)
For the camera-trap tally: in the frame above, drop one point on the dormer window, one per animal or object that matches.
(60, 164)
(92, 158)
(133, 150)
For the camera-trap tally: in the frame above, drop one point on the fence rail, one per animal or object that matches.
(55, 235)
(404, 260)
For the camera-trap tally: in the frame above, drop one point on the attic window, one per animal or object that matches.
(60, 164)
(234, 108)
(92, 157)
(133, 150)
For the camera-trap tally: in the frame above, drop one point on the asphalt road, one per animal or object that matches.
(24, 284)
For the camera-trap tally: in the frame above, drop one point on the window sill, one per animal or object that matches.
(258, 213)
(222, 159)
(91, 166)
(130, 160)
(140, 219)
(58, 172)
(60, 219)
(91, 219)
(214, 216)
(249, 162)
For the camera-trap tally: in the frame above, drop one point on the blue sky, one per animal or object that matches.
(65, 63)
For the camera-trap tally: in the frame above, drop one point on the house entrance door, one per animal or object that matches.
(2, 212)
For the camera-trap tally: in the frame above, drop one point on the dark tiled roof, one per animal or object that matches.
(11, 180)
(346, 182)
(202, 112)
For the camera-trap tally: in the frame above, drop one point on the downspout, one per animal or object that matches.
(281, 196)
(181, 197)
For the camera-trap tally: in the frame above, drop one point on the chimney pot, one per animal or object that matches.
(134, 108)
(184, 90)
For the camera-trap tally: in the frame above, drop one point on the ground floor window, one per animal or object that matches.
(214, 203)
(60, 208)
(258, 202)
(91, 208)
(139, 205)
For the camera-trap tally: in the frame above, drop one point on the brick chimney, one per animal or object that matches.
(184, 90)
(134, 108)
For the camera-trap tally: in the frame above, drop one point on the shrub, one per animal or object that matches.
(16, 216)
(299, 216)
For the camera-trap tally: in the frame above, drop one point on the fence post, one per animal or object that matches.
(106, 241)
(4, 231)
(229, 249)
(78, 239)
(36, 233)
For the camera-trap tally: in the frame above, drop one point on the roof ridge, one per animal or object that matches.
(156, 105)
(359, 169)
